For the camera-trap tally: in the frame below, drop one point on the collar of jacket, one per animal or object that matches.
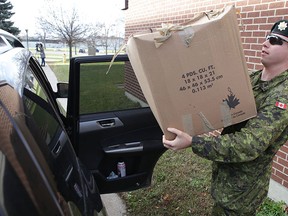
(266, 85)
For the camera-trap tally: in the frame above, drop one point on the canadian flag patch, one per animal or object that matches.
(281, 105)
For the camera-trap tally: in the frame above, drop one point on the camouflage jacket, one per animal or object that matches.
(242, 156)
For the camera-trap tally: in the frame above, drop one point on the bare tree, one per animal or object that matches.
(94, 35)
(116, 42)
(105, 36)
(112, 35)
(65, 25)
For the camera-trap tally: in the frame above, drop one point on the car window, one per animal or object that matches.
(101, 91)
(38, 109)
(32, 84)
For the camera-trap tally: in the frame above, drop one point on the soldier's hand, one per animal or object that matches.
(181, 141)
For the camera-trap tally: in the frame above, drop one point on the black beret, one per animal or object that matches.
(280, 27)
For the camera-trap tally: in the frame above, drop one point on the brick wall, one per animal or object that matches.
(131, 84)
(255, 20)
(280, 166)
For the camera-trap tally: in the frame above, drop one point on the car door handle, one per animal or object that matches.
(100, 124)
(107, 123)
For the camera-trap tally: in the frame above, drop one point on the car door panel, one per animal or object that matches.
(137, 143)
(105, 138)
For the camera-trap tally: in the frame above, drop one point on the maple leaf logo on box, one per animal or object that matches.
(231, 100)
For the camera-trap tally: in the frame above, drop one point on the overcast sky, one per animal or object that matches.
(99, 10)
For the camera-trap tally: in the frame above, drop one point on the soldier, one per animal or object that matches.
(242, 156)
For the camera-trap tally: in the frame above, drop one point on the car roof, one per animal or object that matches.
(8, 41)
(13, 60)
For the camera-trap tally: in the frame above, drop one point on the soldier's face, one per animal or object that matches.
(275, 50)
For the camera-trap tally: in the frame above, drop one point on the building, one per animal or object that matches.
(255, 20)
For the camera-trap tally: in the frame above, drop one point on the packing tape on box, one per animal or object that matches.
(167, 29)
(188, 123)
(226, 114)
(207, 126)
(185, 33)
(166, 32)
(122, 48)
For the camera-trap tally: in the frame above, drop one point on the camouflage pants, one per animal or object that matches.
(219, 211)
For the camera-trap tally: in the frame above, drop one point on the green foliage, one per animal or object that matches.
(272, 208)
(5, 15)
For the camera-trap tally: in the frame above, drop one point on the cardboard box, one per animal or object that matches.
(194, 77)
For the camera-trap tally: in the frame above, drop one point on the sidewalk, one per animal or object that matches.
(51, 77)
(113, 204)
(53, 81)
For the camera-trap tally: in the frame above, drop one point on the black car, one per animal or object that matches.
(56, 161)
(81, 50)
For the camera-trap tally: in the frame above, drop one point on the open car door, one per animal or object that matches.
(111, 123)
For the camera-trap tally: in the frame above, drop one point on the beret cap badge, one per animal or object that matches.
(282, 26)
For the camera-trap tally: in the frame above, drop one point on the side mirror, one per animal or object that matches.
(62, 90)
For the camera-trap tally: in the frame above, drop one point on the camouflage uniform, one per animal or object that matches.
(242, 156)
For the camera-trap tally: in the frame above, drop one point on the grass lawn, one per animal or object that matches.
(61, 71)
(180, 186)
(99, 91)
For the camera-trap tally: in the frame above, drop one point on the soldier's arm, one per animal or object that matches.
(258, 134)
